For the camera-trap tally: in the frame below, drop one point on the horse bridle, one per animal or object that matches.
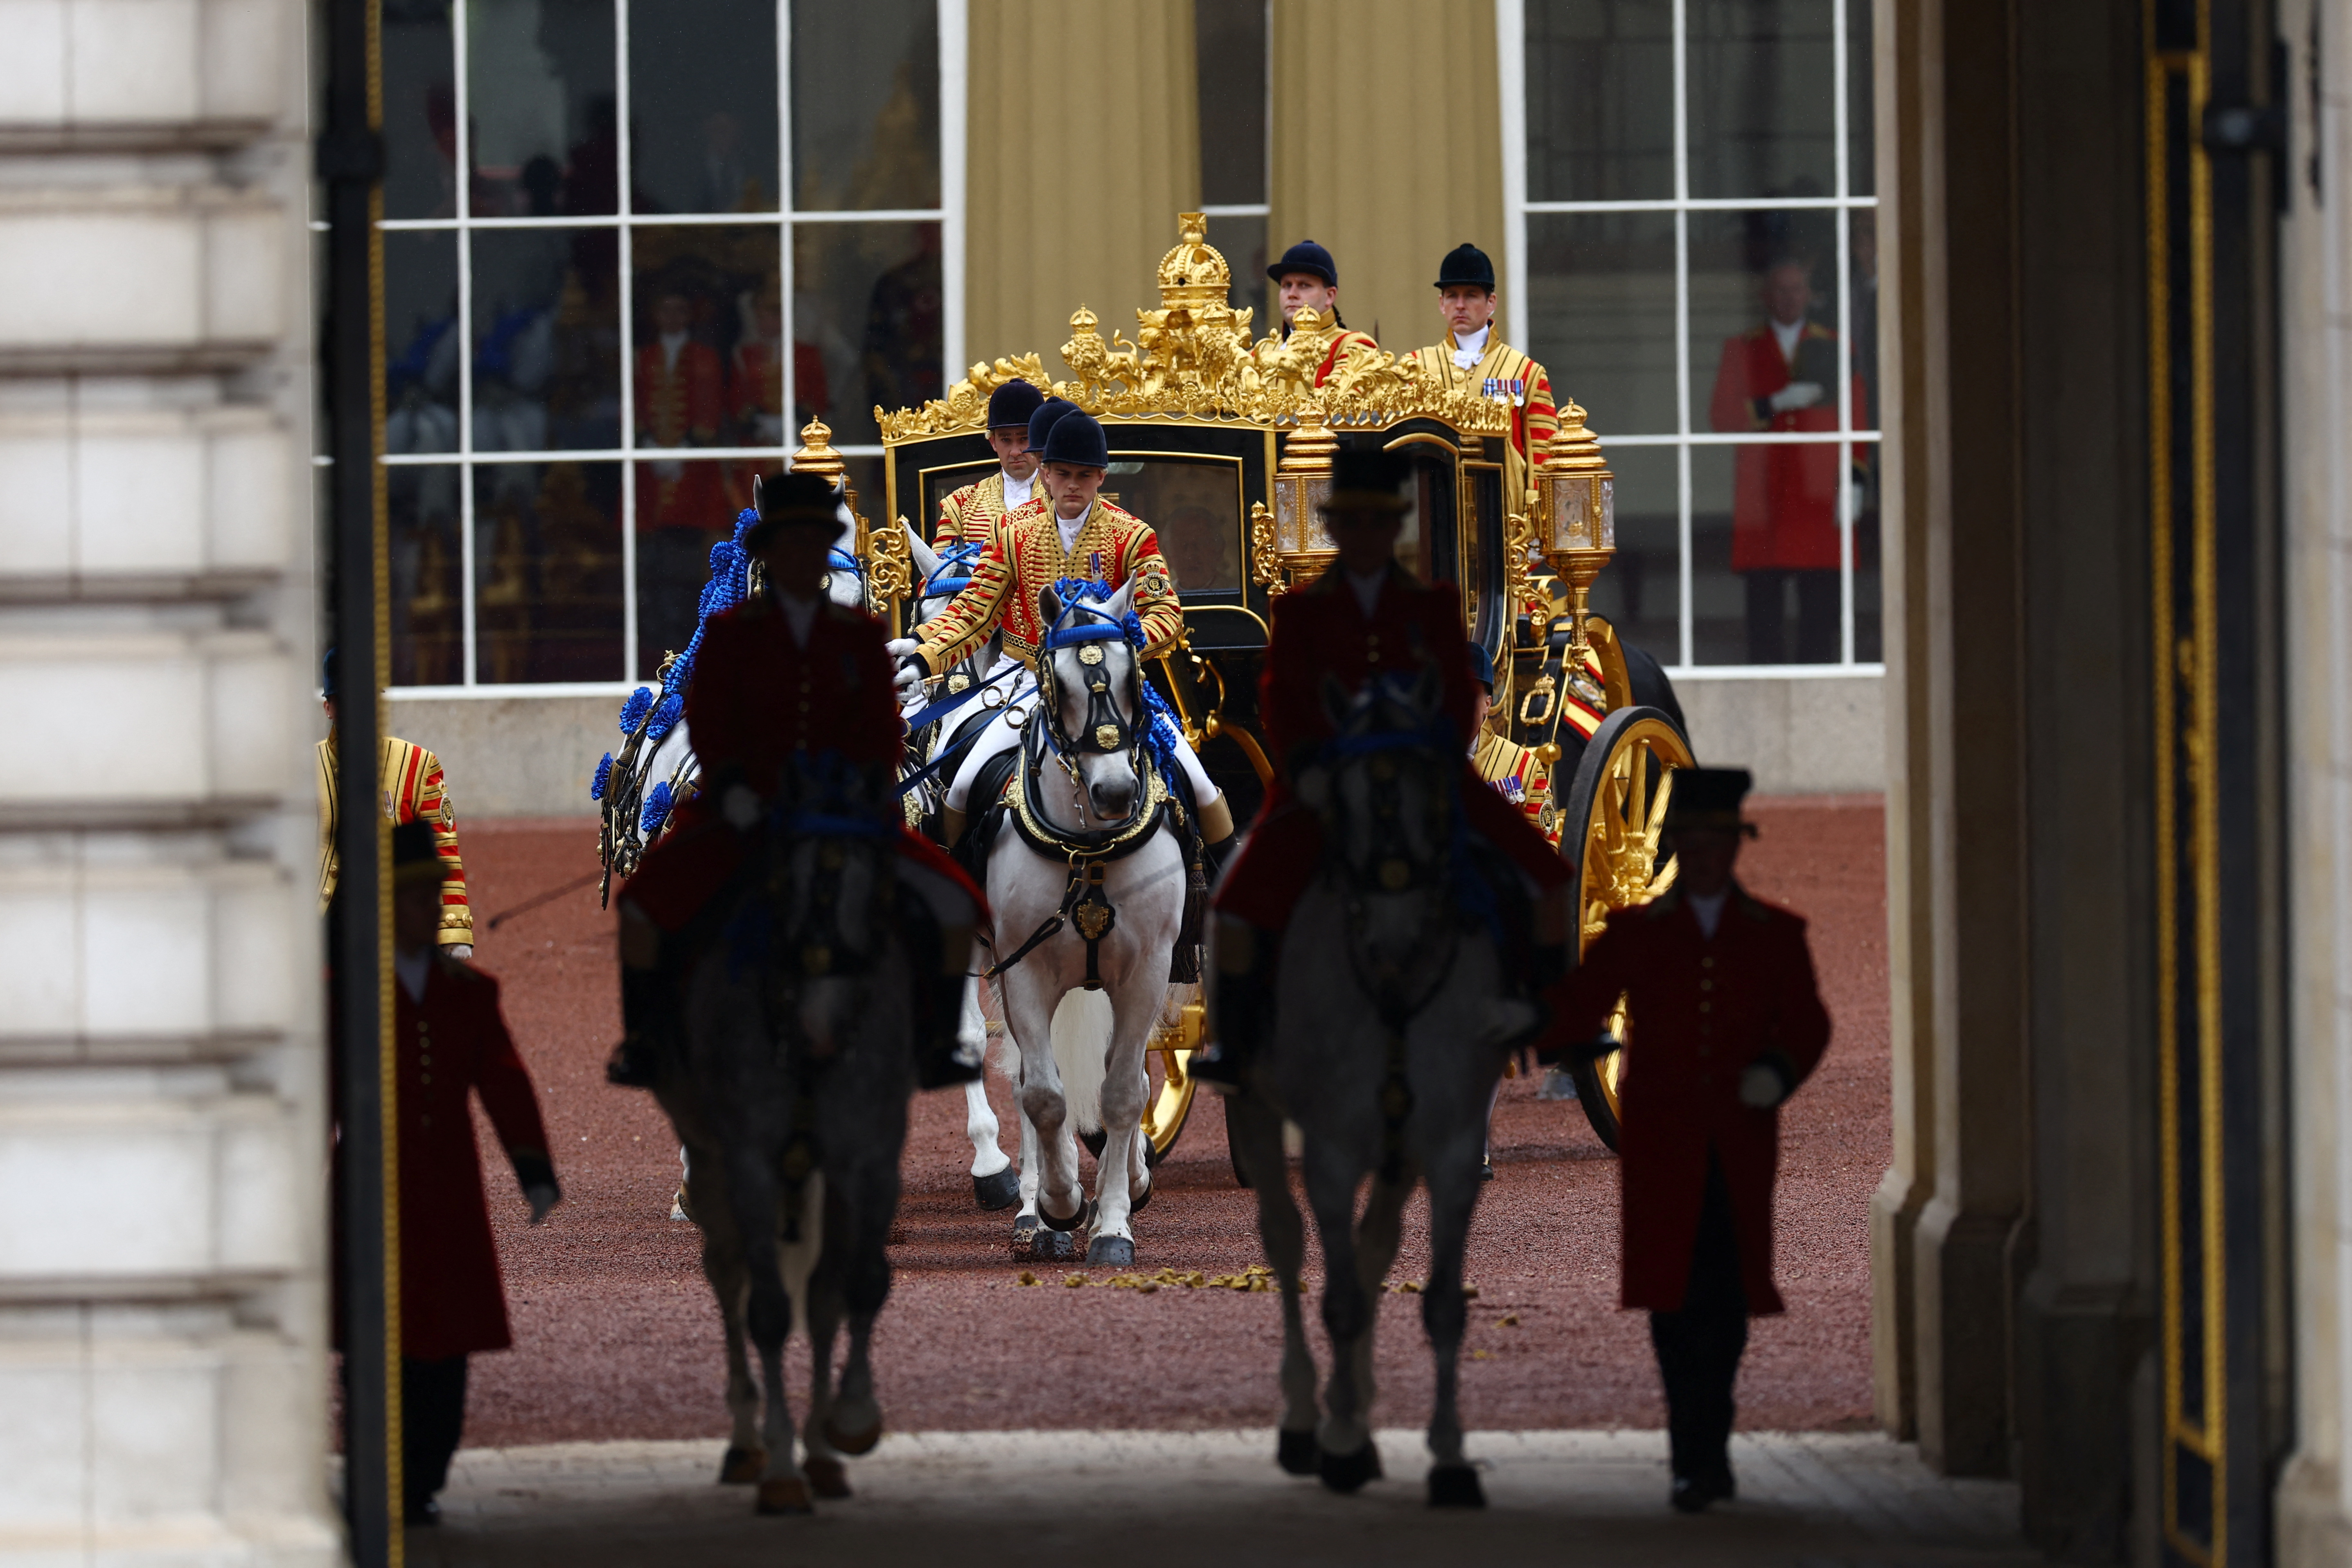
(1107, 730)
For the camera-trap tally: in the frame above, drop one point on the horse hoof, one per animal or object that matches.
(784, 1494)
(852, 1443)
(828, 1478)
(1297, 1453)
(1455, 1486)
(1110, 1252)
(1002, 1190)
(1052, 1246)
(742, 1466)
(1349, 1472)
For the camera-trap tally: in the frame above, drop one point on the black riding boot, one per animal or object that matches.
(648, 1014)
(940, 1061)
(1243, 998)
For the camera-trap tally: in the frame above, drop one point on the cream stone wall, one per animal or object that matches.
(163, 1233)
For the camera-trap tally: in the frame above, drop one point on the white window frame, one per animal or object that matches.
(954, 20)
(1510, 43)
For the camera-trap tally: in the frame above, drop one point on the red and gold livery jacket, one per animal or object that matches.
(412, 792)
(970, 516)
(1508, 376)
(1025, 556)
(758, 697)
(1520, 776)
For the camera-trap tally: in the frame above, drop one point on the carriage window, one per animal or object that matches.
(1194, 505)
(620, 273)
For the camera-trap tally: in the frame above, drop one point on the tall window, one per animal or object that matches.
(1696, 262)
(1233, 61)
(630, 247)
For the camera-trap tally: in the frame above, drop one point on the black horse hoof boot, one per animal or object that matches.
(1002, 1190)
(631, 1064)
(1297, 1453)
(1349, 1472)
(1691, 1494)
(1455, 1486)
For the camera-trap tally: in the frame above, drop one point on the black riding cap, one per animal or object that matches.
(1366, 481)
(1482, 665)
(1467, 266)
(1013, 403)
(1076, 438)
(1707, 798)
(798, 500)
(1306, 256)
(1042, 422)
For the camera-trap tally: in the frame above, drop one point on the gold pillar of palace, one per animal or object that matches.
(1388, 148)
(1065, 94)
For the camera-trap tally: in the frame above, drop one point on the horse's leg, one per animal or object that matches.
(1348, 1458)
(1453, 1196)
(783, 1488)
(992, 1185)
(1377, 1235)
(1135, 1009)
(1029, 1017)
(1256, 1130)
(826, 1477)
(722, 1265)
(854, 1424)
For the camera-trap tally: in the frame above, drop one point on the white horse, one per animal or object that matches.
(1086, 883)
(994, 1184)
(1394, 1015)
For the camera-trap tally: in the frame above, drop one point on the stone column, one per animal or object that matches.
(1953, 541)
(162, 1227)
(1084, 143)
(2314, 1496)
(1388, 148)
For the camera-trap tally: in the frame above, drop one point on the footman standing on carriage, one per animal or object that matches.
(1473, 356)
(1367, 616)
(1069, 532)
(1727, 1023)
(449, 1042)
(785, 679)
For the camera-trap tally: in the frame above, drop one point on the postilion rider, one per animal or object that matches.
(1068, 532)
(414, 791)
(784, 676)
(969, 515)
(450, 1043)
(1729, 1022)
(1306, 278)
(1365, 616)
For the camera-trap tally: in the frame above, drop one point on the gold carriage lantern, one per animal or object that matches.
(1291, 545)
(889, 564)
(1577, 517)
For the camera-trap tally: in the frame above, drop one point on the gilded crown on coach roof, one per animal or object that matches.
(1194, 274)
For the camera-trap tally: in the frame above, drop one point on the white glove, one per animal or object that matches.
(898, 647)
(908, 681)
(741, 808)
(1857, 497)
(461, 951)
(1760, 1086)
(1796, 394)
(542, 1198)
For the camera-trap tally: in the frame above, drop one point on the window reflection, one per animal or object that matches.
(1194, 506)
(547, 334)
(707, 366)
(545, 127)
(1641, 591)
(428, 646)
(867, 308)
(1601, 99)
(1601, 313)
(1766, 280)
(1762, 96)
(420, 335)
(420, 111)
(702, 106)
(866, 104)
(547, 573)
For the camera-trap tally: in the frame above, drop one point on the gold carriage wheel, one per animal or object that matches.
(1172, 1047)
(1623, 785)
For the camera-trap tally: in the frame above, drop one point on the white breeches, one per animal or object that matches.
(1003, 736)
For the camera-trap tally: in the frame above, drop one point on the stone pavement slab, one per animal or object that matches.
(978, 1499)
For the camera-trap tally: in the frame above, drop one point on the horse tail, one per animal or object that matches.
(1081, 1035)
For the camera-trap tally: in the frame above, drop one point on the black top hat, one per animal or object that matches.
(1049, 413)
(1707, 798)
(415, 856)
(1077, 438)
(1482, 665)
(1306, 256)
(1366, 481)
(327, 675)
(1466, 263)
(1013, 403)
(799, 499)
